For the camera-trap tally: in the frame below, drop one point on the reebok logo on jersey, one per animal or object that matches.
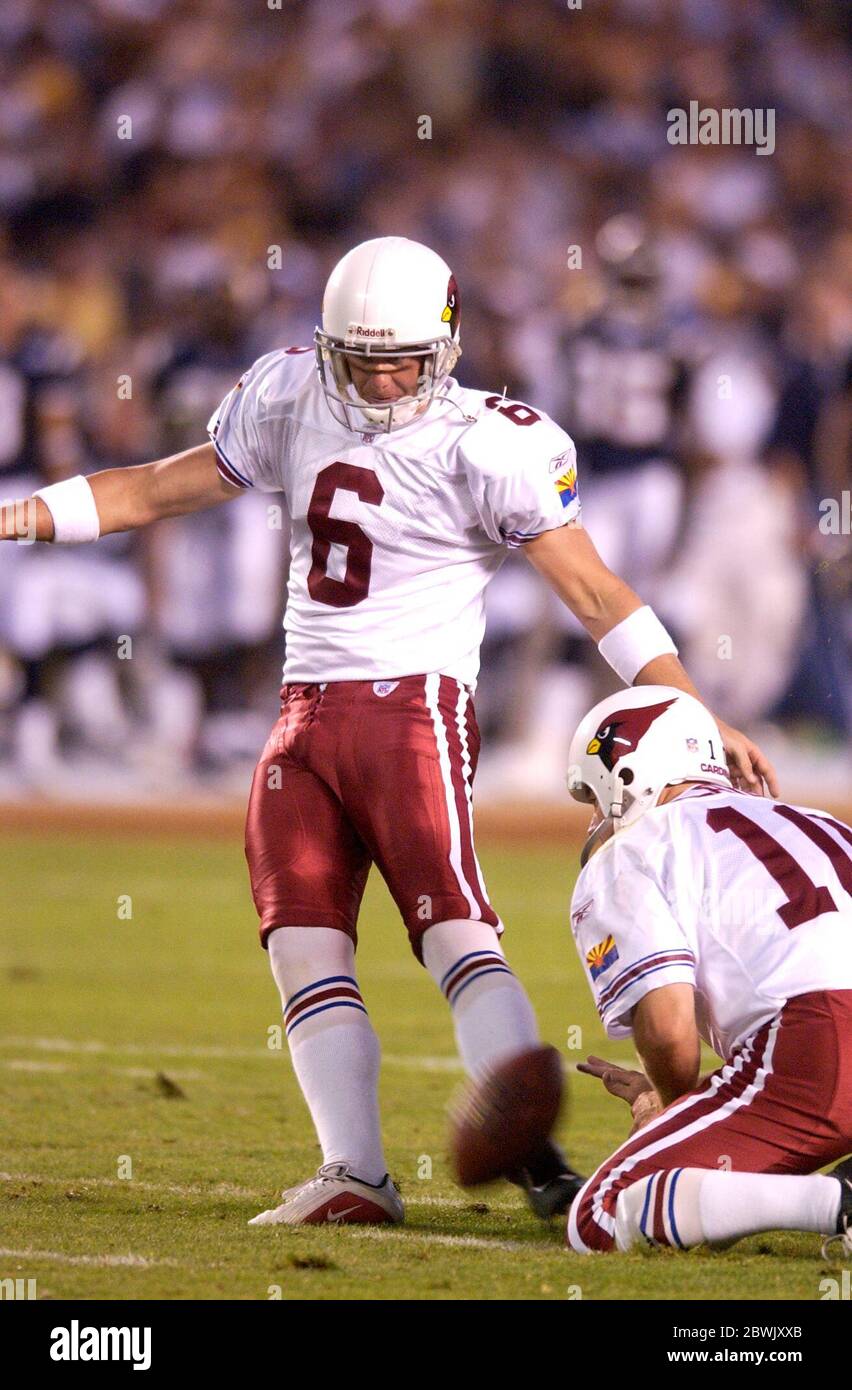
(602, 956)
(566, 483)
(583, 911)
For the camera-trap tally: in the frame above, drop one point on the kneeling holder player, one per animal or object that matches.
(702, 912)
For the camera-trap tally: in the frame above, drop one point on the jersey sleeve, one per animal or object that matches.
(243, 428)
(629, 941)
(522, 471)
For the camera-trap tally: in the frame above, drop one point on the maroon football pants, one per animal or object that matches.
(783, 1104)
(361, 772)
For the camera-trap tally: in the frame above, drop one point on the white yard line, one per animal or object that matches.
(404, 1236)
(224, 1189)
(462, 1203)
(94, 1047)
(425, 1063)
(29, 1064)
(401, 1237)
(21, 1064)
(100, 1261)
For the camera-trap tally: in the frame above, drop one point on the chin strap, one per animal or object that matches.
(599, 835)
(441, 398)
(447, 400)
(616, 809)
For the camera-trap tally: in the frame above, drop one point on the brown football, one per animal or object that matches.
(501, 1120)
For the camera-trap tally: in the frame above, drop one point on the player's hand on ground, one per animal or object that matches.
(619, 1081)
(750, 769)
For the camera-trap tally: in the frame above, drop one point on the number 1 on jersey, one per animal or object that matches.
(804, 899)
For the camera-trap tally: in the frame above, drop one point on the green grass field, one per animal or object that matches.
(145, 1119)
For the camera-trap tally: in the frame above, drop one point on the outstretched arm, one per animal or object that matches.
(568, 560)
(126, 498)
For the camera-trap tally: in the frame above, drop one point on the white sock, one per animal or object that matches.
(492, 1015)
(688, 1206)
(334, 1049)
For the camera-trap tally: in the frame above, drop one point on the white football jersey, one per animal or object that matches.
(394, 537)
(748, 900)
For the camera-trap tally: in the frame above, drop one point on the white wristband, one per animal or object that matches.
(74, 511)
(635, 641)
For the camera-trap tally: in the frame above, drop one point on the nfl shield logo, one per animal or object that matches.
(384, 687)
(692, 745)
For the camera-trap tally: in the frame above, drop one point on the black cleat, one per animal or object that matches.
(549, 1181)
(843, 1234)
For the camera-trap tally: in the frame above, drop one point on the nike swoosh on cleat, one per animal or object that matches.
(339, 1215)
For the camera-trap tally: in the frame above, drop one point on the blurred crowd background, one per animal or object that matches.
(177, 178)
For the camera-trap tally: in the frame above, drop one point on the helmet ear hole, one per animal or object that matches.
(626, 776)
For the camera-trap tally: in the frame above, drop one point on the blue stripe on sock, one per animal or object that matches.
(478, 975)
(675, 1236)
(644, 1216)
(331, 980)
(461, 960)
(335, 1004)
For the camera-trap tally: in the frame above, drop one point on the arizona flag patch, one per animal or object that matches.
(602, 956)
(566, 485)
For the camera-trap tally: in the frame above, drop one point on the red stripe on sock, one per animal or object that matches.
(472, 965)
(338, 992)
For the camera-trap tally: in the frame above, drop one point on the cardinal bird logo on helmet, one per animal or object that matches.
(623, 730)
(452, 309)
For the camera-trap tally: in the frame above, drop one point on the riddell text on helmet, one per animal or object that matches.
(361, 331)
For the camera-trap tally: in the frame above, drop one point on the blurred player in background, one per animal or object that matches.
(262, 142)
(702, 912)
(216, 579)
(617, 382)
(60, 620)
(404, 492)
(625, 382)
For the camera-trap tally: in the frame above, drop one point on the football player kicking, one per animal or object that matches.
(404, 491)
(704, 912)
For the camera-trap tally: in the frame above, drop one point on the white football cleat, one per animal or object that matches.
(337, 1197)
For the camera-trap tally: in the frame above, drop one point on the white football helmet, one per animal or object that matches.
(638, 741)
(388, 298)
